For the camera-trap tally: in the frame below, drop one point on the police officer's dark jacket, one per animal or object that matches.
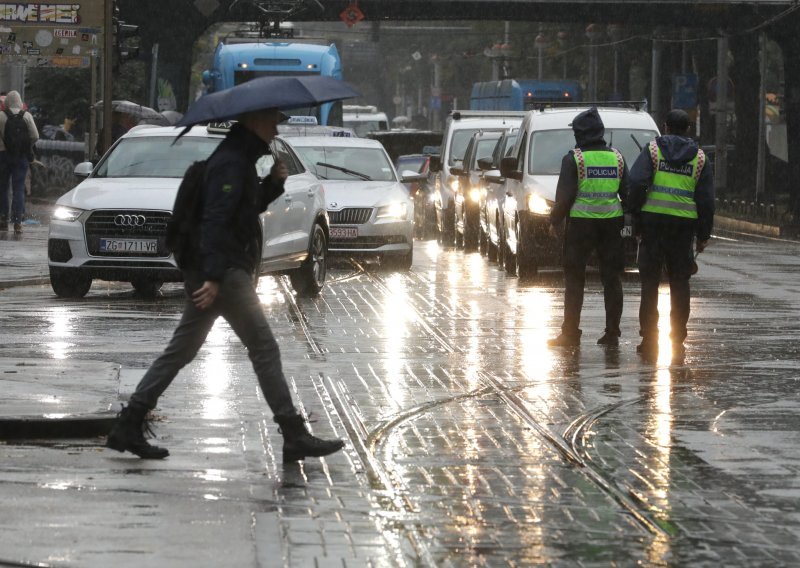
(589, 131)
(230, 231)
(677, 151)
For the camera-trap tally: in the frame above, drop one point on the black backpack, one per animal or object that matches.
(186, 214)
(16, 136)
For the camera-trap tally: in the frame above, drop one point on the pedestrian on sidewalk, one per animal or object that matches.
(18, 134)
(218, 275)
(590, 196)
(672, 201)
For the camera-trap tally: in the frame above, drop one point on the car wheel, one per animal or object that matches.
(471, 235)
(526, 261)
(448, 227)
(509, 259)
(147, 288)
(399, 261)
(309, 279)
(491, 250)
(69, 283)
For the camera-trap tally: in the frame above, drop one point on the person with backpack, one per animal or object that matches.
(18, 134)
(218, 270)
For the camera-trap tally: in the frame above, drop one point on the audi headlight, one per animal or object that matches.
(475, 195)
(395, 210)
(67, 213)
(538, 205)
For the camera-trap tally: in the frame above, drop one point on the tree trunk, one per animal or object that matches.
(746, 78)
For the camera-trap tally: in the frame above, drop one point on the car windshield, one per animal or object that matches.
(156, 156)
(548, 147)
(485, 149)
(458, 144)
(362, 127)
(347, 163)
(415, 163)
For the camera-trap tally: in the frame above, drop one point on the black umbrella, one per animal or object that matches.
(284, 93)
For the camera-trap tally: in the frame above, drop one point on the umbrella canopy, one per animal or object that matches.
(284, 93)
(137, 111)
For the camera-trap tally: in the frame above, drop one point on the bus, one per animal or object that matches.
(236, 62)
(522, 94)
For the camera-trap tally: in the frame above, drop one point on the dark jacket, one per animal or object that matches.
(589, 132)
(677, 150)
(230, 230)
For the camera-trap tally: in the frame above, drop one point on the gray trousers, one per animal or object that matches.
(238, 303)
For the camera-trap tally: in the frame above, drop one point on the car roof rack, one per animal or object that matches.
(635, 105)
(459, 114)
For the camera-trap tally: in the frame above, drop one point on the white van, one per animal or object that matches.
(364, 119)
(461, 125)
(531, 176)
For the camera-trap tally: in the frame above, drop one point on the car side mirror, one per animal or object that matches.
(485, 164)
(508, 168)
(435, 163)
(409, 176)
(83, 169)
(493, 176)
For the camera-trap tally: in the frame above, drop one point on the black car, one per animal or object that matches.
(424, 212)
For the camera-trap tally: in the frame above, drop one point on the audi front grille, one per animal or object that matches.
(350, 216)
(127, 224)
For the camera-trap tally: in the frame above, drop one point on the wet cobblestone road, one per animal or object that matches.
(469, 441)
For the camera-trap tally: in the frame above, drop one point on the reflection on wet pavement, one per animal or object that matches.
(470, 441)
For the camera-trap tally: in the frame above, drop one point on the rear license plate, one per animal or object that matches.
(129, 245)
(344, 232)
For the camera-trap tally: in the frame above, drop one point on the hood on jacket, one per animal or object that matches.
(13, 102)
(677, 149)
(588, 128)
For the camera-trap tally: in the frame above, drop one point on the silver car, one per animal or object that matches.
(371, 211)
(112, 226)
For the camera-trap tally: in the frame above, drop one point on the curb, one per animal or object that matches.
(51, 428)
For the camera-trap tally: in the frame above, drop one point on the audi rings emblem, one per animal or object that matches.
(130, 220)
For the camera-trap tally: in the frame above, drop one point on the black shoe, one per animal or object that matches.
(17, 228)
(565, 340)
(127, 435)
(299, 443)
(647, 347)
(610, 339)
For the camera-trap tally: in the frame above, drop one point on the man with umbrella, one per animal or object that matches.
(219, 282)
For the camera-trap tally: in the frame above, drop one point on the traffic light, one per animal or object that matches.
(126, 40)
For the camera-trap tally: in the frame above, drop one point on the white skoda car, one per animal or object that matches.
(112, 226)
(371, 212)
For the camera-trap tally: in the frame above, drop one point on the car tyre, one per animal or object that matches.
(398, 262)
(69, 283)
(309, 279)
(526, 261)
(147, 288)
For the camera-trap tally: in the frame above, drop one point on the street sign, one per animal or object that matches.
(684, 90)
(351, 15)
(51, 35)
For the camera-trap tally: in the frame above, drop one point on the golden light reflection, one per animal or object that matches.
(61, 328)
(269, 291)
(534, 311)
(216, 373)
(664, 327)
(397, 315)
(659, 436)
(474, 346)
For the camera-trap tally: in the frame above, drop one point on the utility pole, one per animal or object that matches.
(108, 48)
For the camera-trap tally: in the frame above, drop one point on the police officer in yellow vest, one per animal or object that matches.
(590, 195)
(672, 200)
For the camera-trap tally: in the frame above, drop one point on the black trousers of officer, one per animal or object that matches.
(665, 243)
(584, 236)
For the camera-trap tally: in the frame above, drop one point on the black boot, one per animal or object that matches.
(299, 443)
(128, 434)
